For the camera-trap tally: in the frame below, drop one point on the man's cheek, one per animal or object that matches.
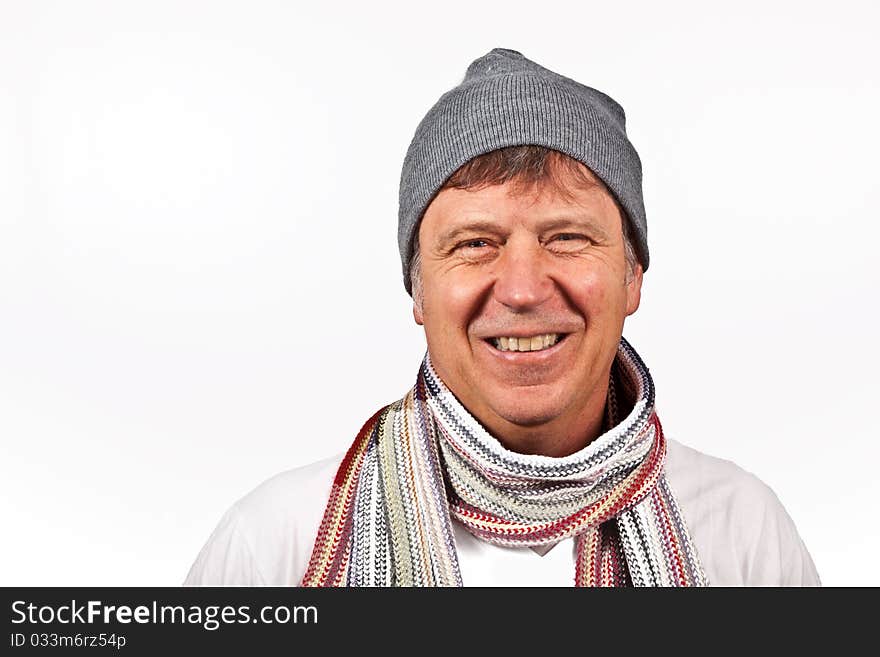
(588, 293)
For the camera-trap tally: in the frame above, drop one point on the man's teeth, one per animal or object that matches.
(534, 343)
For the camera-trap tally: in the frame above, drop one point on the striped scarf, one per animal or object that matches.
(424, 460)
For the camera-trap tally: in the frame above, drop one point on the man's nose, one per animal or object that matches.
(522, 280)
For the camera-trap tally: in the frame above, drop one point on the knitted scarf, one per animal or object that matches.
(424, 460)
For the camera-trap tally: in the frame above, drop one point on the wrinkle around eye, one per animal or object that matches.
(469, 253)
(573, 243)
(456, 248)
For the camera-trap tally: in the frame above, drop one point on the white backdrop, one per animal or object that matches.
(199, 279)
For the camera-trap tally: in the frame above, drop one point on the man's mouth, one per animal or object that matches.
(527, 343)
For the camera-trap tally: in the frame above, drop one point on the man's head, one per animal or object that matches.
(523, 240)
(522, 287)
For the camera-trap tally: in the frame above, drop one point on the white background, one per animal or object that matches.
(199, 278)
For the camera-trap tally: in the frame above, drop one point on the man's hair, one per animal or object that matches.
(529, 168)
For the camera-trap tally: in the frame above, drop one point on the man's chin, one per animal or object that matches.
(526, 417)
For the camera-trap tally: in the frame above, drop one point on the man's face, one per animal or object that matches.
(544, 268)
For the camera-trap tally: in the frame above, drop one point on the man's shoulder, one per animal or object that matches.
(286, 509)
(695, 469)
(718, 486)
(290, 494)
(710, 486)
(741, 530)
(266, 537)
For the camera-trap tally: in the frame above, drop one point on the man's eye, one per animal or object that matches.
(568, 242)
(474, 244)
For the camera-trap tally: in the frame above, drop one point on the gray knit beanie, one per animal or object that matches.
(508, 100)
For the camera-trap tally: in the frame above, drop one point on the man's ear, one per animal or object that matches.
(417, 313)
(634, 290)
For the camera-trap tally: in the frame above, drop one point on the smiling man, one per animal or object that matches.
(522, 287)
(528, 452)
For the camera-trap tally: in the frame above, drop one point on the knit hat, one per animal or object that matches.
(508, 100)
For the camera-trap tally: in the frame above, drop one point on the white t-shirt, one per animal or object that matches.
(740, 530)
